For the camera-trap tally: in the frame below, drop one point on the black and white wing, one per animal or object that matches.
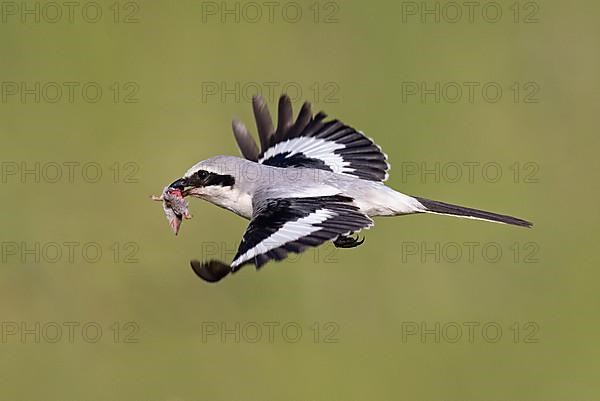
(264, 124)
(283, 225)
(311, 142)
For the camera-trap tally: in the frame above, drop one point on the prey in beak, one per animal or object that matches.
(174, 204)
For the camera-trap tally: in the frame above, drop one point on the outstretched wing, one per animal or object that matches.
(329, 145)
(312, 142)
(287, 225)
(280, 226)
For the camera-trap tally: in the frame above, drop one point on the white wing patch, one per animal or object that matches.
(290, 231)
(314, 148)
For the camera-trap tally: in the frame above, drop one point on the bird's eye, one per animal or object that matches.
(201, 174)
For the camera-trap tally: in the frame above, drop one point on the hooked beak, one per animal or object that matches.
(179, 184)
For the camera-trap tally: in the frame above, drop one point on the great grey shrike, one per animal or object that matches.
(313, 181)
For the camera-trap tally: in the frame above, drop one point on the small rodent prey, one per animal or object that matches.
(175, 207)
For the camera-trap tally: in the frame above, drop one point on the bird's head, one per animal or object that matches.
(207, 177)
(215, 180)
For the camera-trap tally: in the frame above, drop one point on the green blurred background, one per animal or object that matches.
(359, 61)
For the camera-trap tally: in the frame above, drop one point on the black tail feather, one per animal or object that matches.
(455, 210)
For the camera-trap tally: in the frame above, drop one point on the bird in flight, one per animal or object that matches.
(313, 181)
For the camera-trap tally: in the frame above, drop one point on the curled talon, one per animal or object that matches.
(346, 241)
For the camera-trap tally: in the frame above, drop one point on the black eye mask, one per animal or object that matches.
(203, 178)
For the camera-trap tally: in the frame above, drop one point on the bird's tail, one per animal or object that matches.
(437, 207)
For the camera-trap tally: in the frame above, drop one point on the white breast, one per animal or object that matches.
(231, 199)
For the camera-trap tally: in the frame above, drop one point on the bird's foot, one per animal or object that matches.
(211, 271)
(346, 241)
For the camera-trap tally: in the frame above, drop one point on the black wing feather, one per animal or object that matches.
(329, 145)
(356, 154)
(271, 217)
